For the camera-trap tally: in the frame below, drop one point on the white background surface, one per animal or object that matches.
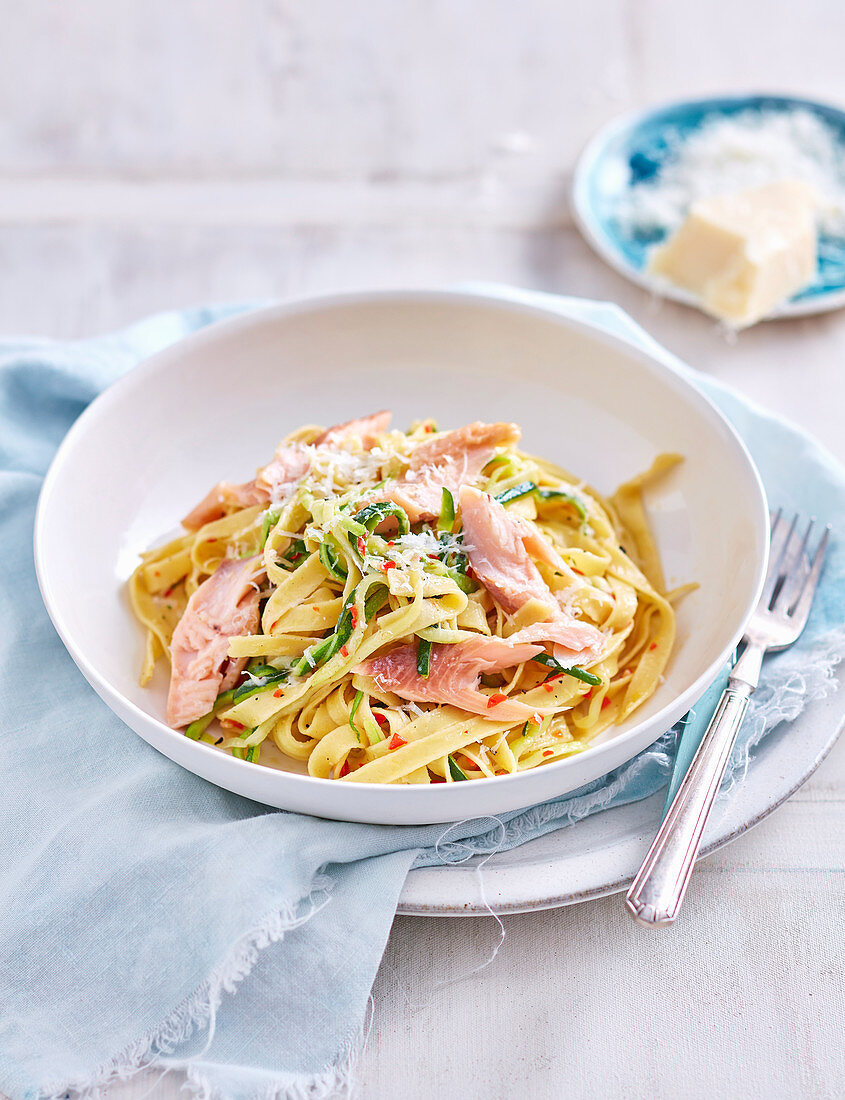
(158, 155)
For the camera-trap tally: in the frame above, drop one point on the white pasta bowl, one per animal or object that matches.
(214, 406)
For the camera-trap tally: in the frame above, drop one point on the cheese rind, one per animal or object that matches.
(744, 253)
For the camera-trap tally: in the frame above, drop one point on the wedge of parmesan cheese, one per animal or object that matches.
(743, 254)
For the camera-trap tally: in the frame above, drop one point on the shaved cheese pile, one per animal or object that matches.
(407, 550)
(734, 152)
(333, 469)
(410, 548)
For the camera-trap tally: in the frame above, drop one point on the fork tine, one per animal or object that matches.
(801, 610)
(777, 537)
(780, 538)
(794, 569)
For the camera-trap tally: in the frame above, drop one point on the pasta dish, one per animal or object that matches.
(407, 607)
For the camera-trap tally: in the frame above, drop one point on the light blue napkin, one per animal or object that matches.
(151, 919)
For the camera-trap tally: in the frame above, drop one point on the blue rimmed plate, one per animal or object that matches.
(635, 149)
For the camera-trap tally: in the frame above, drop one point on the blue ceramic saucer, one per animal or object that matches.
(634, 149)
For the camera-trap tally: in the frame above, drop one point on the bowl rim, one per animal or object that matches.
(251, 318)
(588, 225)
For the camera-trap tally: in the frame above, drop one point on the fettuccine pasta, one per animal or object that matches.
(407, 607)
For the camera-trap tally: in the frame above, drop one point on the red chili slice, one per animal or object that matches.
(396, 742)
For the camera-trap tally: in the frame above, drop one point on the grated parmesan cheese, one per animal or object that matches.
(735, 152)
(333, 469)
(409, 548)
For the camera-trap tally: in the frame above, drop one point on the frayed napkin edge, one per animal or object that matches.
(782, 701)
(337, 1082)
(198, 1012)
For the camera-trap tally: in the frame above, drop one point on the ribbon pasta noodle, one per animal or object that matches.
(387, 639)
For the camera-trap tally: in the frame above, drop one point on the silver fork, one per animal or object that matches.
(656, 893)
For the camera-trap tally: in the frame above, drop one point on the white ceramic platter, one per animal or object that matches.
(214, 406)
(601, 854)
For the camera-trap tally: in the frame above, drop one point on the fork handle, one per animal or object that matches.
(656, 893)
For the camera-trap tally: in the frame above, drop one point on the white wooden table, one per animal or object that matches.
(156, 155)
